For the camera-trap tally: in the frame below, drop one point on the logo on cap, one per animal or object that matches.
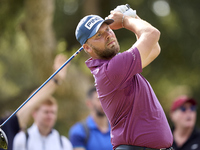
(90, 23)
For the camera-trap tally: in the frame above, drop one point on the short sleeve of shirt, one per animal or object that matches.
(19, 142)
(124, 66)
(66, 143)
(77, 136)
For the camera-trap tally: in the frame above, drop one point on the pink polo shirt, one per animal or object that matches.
(133, 110)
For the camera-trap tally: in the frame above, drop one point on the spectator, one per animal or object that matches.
(19, 121)
(94, 132)
(183, 115)
(41, 135)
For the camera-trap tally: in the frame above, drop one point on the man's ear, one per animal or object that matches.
(87, 48)
(34, 113)
(171, 115)
(88, 103)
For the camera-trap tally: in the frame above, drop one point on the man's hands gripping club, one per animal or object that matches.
(118, 15)
(147, 35)
(126, 10)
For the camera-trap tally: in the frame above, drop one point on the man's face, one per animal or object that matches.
(96, 105)
(185, 116)
(46, 116)
(104, 43)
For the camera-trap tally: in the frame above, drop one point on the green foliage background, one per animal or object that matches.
(175, 72)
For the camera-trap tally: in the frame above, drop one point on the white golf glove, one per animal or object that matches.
(121, 8)
(126, 10)
(130, 12)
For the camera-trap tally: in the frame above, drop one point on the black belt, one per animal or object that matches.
(132, 147)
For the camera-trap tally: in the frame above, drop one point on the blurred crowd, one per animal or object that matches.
(90, 133)
(94, 131)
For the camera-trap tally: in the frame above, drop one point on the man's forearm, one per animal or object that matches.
(25, 112)
(141, 27)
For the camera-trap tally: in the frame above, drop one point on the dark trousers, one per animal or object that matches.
(131, 147)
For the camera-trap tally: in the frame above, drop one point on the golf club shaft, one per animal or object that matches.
(77, 52)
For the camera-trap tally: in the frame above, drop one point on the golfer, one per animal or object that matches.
(137, 119)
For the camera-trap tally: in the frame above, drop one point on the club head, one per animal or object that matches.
(3, 140)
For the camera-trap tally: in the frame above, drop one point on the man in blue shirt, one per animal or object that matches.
(94, 132)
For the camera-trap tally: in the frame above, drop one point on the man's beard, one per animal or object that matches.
(107, 53)
(100, 113)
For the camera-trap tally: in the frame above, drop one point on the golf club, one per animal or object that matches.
(3, 138)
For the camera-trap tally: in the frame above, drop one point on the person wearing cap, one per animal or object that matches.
(137, 119)
(183, 115)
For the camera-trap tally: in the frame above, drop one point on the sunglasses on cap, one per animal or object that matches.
(192, 108)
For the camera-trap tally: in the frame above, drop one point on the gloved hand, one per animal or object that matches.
(121, 8)
(130, 12)
(126, 10)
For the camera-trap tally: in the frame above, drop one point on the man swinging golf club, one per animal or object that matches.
(137, 119)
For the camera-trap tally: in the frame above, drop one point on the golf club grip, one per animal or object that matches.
(76, 53)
